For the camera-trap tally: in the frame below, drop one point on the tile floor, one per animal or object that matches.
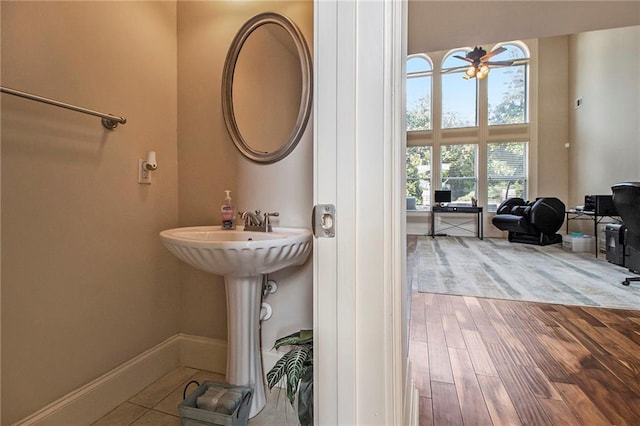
(157, 405)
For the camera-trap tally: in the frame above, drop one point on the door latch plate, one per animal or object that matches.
(324, 221)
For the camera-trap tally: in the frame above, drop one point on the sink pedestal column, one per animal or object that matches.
(244, 357)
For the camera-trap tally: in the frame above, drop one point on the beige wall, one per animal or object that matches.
(210, 163)
(86, 285)
(102, 289)
(550, 177)
(568, 173)
(605, 130)
(85, 279)
(440, 25)
(603, 135)
(553, 118)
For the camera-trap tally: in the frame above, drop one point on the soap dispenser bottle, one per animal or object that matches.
(228, 212)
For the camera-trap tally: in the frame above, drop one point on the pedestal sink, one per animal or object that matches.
(241, 257)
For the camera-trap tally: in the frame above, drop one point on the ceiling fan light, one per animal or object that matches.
(483, 72)
(471, 71)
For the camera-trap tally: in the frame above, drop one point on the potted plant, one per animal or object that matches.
(297, 367)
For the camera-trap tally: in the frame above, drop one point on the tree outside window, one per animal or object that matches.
(507, 94)
(419, 175)
(459, 97)
(458, 171)
(506, 171)
(419, 72)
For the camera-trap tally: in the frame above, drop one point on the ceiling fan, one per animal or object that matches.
(479, 59)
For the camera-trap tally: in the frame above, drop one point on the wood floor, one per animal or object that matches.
(488, 361)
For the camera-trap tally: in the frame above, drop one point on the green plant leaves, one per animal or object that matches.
(296, 367)
(277, 372)
(302, 337)
(292, 366)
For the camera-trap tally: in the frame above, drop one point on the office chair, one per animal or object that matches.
(626, 200)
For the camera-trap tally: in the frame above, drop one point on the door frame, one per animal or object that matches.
(360, 295)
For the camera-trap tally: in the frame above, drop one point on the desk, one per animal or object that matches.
(458, 210)
(573, 214)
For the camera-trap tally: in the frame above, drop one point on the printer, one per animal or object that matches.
(601, 205)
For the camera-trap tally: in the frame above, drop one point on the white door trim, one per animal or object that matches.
(359, 285)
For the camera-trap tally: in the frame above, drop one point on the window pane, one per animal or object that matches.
(418, 93)
(459, 171)
(419, 103)
(507, 95)
(459, 103)
(418, 64)
(506, 172)
(419, 175)
(513, 52)
(451, 62)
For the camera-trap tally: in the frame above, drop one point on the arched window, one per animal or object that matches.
(478, 145)
(459, 96)
(507, 87)
(419, 93)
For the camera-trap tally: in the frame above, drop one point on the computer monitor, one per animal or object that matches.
(442, 196)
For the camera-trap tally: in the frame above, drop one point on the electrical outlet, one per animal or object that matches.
(144, 175)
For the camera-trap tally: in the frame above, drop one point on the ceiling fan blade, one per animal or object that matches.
(464, 59)
(454, 69)
(495, 52)
(500, 63)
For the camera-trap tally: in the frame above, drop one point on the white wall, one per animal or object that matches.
(605, 130)
(86, 284)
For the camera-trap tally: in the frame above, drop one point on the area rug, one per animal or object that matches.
(496, 268)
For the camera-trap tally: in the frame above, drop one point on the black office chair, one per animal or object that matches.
(626, 200)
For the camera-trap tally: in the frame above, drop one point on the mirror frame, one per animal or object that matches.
(305, 97)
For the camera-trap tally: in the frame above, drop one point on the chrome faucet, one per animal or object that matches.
(251, 219)
(253, 222)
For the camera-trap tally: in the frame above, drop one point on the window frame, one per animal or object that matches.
(483, 133)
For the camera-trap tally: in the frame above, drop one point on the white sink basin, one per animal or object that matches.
(238, 252)
(242, 257)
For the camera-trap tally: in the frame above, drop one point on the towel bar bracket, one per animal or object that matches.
(109, 123)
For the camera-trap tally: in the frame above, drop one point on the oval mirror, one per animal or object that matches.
(266, 88)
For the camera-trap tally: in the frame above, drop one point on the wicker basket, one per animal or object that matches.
(191, 415)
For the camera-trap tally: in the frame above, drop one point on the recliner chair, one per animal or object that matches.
(531, 222)
(626, 200)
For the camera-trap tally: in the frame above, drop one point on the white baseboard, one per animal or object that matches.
(90, 402)
(203, 353)
(208, 354)
(412, 399)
